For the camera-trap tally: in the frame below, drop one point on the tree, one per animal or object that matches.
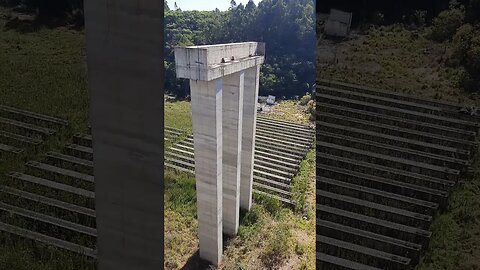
(447, 22)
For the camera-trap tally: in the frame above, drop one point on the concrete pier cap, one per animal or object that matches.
(209, 62)
(224, 82)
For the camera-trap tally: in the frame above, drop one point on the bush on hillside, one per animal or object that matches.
(462, 39)
(278, 248)
(311, 110)
(305, 99)
(466, 46)
(473, 53)
(446, 23)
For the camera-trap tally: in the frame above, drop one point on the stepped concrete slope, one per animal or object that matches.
(279, 148)
(386, 163)
(53, 200)
(22, 130)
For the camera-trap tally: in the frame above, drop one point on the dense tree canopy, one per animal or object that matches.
(287, 28)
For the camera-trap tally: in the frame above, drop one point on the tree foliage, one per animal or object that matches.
(447, 22)
(467, 53)
(287, 28)
(48, 9)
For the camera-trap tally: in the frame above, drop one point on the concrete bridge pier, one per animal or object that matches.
(233, 88)
(250, 98)
(207, 126)
(223, 78)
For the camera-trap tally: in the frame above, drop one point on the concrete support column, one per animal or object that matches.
(250, 97)
(125, 76)
(218, 80)
(207, 139)
(232, 146)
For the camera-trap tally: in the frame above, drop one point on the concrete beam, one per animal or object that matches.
(210, 62)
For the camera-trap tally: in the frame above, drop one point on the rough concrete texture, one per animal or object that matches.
(250, 97)
(125, 74)
(232, 145)
(207, 130)
(218, 75)
(205, 62)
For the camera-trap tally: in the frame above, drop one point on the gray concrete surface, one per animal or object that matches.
(250, 98)
(218, 77)
(233, 86)
(207, 127)
(125, 78)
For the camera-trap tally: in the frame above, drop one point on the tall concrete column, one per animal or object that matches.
(217, 79)
(232, 145)
(250, 98)
(125, 78)
(207, 139)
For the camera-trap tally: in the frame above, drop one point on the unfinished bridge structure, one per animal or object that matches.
(386, 164)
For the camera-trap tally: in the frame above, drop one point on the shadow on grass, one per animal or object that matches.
(195, 262)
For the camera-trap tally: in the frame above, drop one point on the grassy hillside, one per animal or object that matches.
(42, 71)
(394, 58)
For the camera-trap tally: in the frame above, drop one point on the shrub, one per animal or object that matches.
(311, 109)
(279, 247)
(305, 99)
(272, 206)
(467, 53)
(446, 23)
(462, 40)
(473, 54)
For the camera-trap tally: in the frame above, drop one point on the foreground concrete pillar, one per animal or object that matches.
(250, 99)
(217, 78)
(125, 78)
(232, 145)
(207, 129)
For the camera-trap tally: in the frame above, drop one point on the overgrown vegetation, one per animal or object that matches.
(301, 184)
(455, 242)
(447, 22)
(49, 12)
(444, 31)
(437, 58)
(42, 71)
